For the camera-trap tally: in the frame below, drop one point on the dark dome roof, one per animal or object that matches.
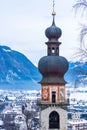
(53, 32)
(53, 66)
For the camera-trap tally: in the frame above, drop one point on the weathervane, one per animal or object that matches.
(53, 13)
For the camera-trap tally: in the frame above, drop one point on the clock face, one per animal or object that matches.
(45, 92)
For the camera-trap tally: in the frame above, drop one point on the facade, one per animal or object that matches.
(78, 124)
(53, 67)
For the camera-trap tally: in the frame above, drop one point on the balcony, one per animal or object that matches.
(45, 104)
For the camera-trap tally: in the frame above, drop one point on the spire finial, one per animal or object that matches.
(53, 13)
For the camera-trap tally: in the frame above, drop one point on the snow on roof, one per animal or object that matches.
(1, 122)
(79, 96)
(79, 121)
(32, 91)
(31, 97)
(11, 97)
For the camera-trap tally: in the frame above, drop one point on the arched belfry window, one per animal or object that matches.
(54, 120)
(53, 50)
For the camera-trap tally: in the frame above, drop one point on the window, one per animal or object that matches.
(53, 97)
(53, 50)
(54, 121)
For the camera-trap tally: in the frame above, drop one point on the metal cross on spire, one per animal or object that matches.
(53, 5)
(53, 13)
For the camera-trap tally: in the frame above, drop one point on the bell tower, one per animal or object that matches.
(53, 67)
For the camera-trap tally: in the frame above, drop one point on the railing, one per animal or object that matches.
(44, 105)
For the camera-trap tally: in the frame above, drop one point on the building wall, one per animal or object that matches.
(47, 93)
(45, 118)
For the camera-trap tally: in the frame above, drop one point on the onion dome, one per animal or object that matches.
(53, 69)
(53, 32)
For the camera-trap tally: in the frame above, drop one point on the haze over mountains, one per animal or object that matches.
(17, 72)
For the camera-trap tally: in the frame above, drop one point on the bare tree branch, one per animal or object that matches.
(81, 4)
(83, 33)
(80, 55)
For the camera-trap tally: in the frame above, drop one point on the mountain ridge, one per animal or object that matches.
(16, 68)
(17, 72)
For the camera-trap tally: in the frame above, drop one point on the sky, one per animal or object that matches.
(23, 24)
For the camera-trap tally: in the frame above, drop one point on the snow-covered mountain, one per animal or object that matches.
(77, 73)
(17, 71)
